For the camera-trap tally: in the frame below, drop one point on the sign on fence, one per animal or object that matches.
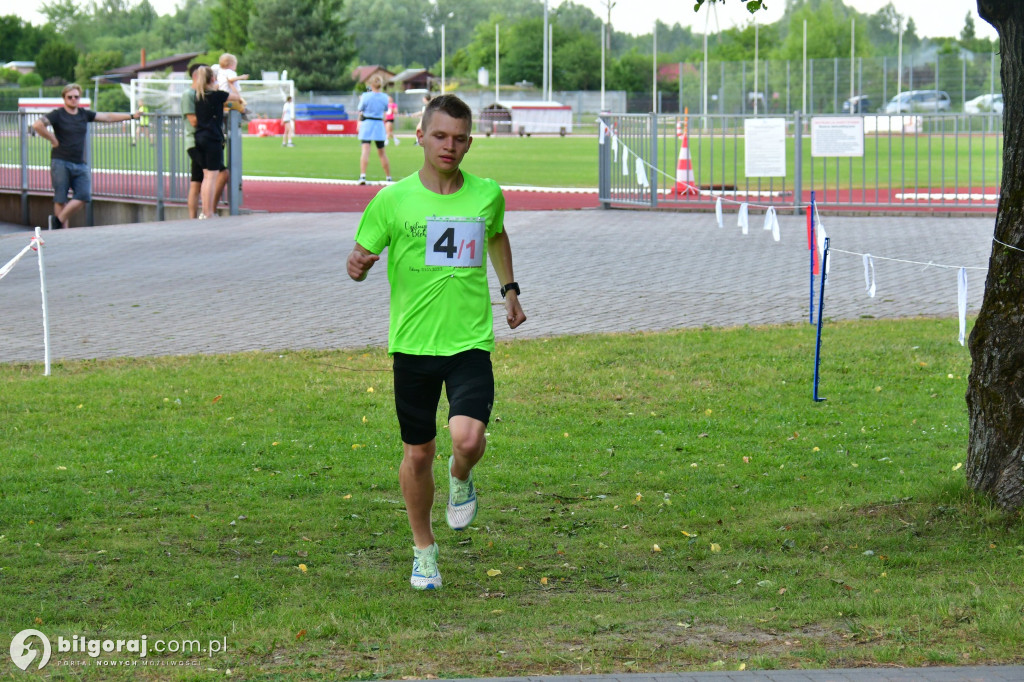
(836, 136)
(764, 153)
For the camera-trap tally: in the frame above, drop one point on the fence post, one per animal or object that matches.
(654, 160)
(23, 152)
(235, 162)
(174, 137)
(798, 161)
(158, 132)
(604, 178)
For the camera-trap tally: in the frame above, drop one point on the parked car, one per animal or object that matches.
(919, 101)
(859, 104)
(985, 104)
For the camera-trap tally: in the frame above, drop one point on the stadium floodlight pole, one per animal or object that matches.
(496, 60)
(704, 78)
(551, 62)
(654, 69)
(899, 64)
(603, 28)
(803, 89)
(442, 59)
(544, 65)
(606, 43)
(757, 93)
(853, 33)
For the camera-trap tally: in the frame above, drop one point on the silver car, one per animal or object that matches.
(919, 101)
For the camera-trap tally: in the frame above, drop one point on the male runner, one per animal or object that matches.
(438, 225)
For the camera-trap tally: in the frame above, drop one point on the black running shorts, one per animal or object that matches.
(468, 380)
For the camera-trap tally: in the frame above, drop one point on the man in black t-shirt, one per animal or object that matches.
(68, 169)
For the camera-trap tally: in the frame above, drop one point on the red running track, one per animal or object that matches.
(312, 197)
(276, 196)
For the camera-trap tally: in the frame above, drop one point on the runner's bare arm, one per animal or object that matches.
(359, 262)
(500, 250)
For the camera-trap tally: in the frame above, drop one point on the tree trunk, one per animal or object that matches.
(995, 388)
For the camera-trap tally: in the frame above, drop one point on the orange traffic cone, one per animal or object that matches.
(685, 183)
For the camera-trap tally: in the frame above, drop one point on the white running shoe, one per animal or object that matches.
(461, 500)
(425, 575)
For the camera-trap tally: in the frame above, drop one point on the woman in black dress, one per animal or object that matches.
(210, 136)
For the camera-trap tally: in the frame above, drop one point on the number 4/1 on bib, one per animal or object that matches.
(455, 242)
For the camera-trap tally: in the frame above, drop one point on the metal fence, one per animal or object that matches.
(783, 87)
(129, 161)
(922, 162)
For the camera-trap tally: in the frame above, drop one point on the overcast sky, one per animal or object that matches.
(638, 16)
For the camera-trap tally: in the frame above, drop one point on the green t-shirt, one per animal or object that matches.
(188, 106)
(437, 262)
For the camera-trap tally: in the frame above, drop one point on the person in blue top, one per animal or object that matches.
(373, 106)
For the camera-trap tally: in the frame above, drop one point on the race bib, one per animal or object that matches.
(455, 242)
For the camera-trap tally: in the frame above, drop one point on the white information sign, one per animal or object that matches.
(764, 153)
(455, 242)
(834, 136)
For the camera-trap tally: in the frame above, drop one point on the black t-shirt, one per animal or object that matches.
(70, 132)
(210, 114)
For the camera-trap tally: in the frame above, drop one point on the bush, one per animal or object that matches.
(9, 76)
(111, 99)
(30, 80)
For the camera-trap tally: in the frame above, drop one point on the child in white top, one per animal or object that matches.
(227, 76)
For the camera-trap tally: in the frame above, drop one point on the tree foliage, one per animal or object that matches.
(57, 59)
(96, 64)
(20, 40)
(392, 34)
(309, 38)
(829, 32)
(229, 26)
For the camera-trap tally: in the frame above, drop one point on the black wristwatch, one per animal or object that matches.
(511, 286)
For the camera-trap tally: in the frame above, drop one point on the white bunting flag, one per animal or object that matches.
(615, 148)
(601, 127)
(641, 174)
(742, 219)
(718, 212)
(869, 274)
(771, 222)
(961, 301)
(625, 161)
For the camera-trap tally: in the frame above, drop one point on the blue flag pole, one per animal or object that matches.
(821, 317)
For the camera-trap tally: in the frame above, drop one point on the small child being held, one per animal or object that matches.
(227, 76)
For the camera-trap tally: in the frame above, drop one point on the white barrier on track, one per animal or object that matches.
(36, 244)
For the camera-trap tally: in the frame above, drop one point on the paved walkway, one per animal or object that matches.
(277, 281)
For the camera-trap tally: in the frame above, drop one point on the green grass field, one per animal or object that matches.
(540, 161)
(911, 161)
(650, 502)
